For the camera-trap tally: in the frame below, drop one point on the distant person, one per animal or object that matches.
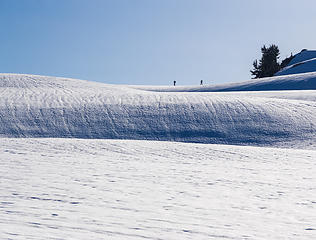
(174, 83)
(201, 83)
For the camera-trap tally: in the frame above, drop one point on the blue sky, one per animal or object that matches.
(149, 41)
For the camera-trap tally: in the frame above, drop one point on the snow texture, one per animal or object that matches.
(305, 81)
(304, 55)
(38, 106)
(303, 62)
(65, 175)
(120, 189)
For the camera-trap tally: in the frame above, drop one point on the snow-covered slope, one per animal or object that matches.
(131, 190)
(57, 188)
(306, 81)
(304, 55)
(303, 62)
(37, 106)
(301, 67)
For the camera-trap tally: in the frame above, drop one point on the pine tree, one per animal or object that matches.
(268, 64)
(256, 68)
(286, 61)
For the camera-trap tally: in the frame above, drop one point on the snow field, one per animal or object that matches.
(64, 176)
(118, 189)
(37, 106)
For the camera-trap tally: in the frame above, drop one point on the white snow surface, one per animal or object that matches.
(303, 56)
(58, 181)
(123, 189)
(303, 62)
(306, 81)
(39, 106)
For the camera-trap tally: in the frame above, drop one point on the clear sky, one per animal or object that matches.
(150, 41)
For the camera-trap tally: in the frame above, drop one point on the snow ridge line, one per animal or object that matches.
(37, 106)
